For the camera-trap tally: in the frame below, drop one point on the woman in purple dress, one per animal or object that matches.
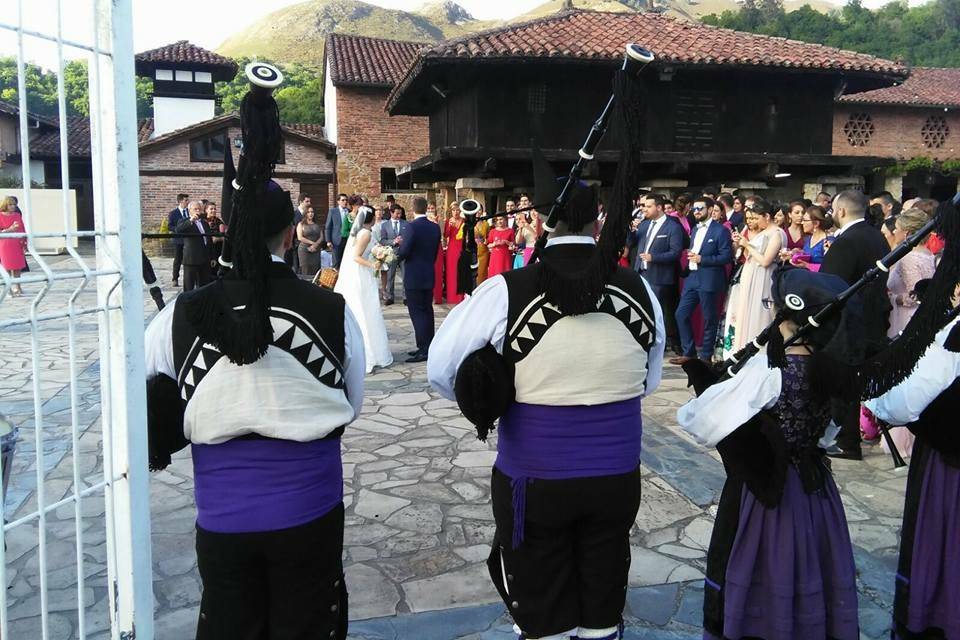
(780, 563)
(796, 236)
(927, 585)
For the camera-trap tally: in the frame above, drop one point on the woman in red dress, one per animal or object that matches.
(453, 235)
(11, 249)
(438, 263)
(500, 240)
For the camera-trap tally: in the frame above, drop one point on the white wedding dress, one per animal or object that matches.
(360, 289)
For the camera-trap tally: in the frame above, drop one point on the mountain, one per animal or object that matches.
(296, 33)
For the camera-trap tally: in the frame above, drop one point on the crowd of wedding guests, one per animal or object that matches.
(709, 259)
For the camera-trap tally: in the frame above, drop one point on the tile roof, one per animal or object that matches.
(308, 131)
(183, 51)
(47, 145)
(925, 87)
(583, 35)
(375, 62)
(13, 109)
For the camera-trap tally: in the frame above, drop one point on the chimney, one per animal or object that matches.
(183, 77)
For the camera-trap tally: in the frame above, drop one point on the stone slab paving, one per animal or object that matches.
(418, 519)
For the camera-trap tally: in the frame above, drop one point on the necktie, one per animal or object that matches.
(396, 228)
(649, 238)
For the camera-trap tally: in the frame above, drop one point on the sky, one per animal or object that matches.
(204, 22)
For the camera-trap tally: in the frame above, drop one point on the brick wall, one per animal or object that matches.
(158, 192)
(896, 132)
(367, 139)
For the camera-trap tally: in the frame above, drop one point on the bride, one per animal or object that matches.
(358, 284)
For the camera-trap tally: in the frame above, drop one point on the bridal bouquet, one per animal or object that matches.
(383, 255)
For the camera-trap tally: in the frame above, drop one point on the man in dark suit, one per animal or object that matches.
(855, 249)
(196, 247)
(659, 240)
(710, 251)
(174, 218)
(332, 227)
(391, 232)
(418, 250)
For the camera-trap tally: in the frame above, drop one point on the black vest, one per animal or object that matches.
(307, 321)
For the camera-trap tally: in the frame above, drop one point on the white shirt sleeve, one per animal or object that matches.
(158, 343)
(478, 320)
(935, 372)
(727, 405)
(655, 357)
(354, 361)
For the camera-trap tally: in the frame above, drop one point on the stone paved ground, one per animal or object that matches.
(418, 521)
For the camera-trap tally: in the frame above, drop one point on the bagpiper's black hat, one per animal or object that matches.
(255, 208)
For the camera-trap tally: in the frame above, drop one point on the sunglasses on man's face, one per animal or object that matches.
(696, 208)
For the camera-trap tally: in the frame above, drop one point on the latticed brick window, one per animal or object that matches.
(859, 129)
(934, 132)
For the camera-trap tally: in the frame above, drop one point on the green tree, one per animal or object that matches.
(298, 98)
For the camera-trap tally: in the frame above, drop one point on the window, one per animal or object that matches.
(238, 143)
(388, 179)
(203, 76)
(184, 76)
(859, 129)
(537, 98)
(934, 132)
(208, 149)
(165, 74)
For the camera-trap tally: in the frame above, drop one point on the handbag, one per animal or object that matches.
(326, 277)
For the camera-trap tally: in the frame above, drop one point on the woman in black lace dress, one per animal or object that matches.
(780, 563)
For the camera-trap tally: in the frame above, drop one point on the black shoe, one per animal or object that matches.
(387, 303)
(420, 357)
(844, 454)
(415, 352)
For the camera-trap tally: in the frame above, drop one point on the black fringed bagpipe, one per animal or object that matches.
(254, 208)
(880, 372)
(485, 370)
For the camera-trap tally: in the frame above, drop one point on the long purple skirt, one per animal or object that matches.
(934, 580)
(791, 574)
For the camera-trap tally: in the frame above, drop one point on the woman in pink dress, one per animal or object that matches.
(500, 241)
(11, 249)
(438, 263)
(453, 236)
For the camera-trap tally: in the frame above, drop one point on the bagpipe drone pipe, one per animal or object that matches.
(262, 147)
(888, 367)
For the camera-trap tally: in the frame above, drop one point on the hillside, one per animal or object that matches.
(295, 34)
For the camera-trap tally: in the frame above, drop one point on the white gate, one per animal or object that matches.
(76, 559)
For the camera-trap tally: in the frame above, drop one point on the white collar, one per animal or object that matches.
(847, 226)
(571, 240)
(274, 258)
(705, 224)
(417, 216)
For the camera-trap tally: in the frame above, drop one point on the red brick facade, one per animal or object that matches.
(368, 139)
(900, 132)
(166, 170)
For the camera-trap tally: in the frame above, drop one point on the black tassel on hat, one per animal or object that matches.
(579, 290)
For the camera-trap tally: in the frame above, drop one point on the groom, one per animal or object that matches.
(419, 243)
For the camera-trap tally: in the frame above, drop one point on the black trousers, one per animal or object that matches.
(177, 260)
(420, 306)
(274, 585)
(195, 276)
(571, 568)
(668, 295)
(847, 416)
(338, 252)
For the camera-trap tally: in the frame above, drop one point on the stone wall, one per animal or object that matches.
(895, 132)
(368, 139)
(166, 171)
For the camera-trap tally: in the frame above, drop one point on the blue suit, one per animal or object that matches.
(419, 243)
(662, 271)
(703, 286)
